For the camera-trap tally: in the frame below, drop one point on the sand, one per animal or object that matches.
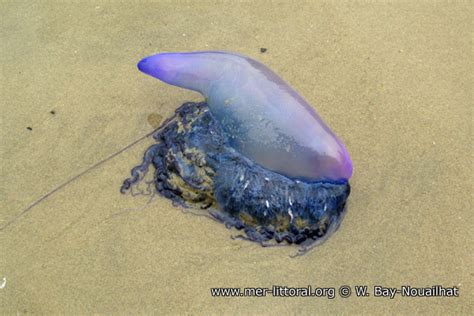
(392, 79)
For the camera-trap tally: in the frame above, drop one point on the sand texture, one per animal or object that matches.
(392, 79)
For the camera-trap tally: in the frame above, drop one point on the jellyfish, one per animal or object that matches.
(253, 155)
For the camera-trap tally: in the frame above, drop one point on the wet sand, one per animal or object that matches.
(393, 80)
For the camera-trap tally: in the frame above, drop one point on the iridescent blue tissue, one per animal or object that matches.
(268, 120)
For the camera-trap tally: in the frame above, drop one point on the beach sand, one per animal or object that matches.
(392, 79)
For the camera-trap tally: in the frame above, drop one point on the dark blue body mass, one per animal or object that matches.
(195, 166)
